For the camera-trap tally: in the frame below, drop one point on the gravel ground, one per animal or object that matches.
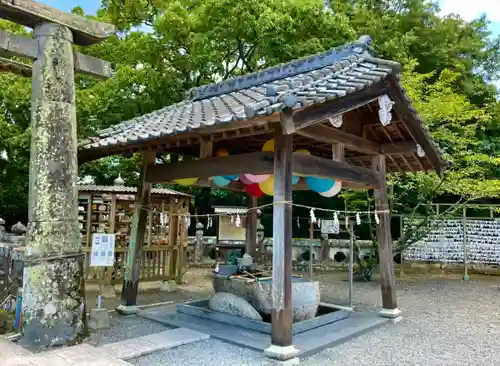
(446, 322)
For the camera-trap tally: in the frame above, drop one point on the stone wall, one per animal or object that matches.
(299, 247)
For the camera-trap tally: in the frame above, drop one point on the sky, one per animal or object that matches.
(470, 9)
(90, 6)
(467, 9)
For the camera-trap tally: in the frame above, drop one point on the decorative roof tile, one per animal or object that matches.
(310, 80)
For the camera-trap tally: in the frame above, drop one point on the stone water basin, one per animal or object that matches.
(258, 292)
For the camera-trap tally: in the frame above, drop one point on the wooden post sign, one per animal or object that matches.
(53, 291)
(103, 250)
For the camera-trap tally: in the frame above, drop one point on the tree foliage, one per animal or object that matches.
(165, 47)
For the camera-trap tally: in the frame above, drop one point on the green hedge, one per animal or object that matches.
(6, 322)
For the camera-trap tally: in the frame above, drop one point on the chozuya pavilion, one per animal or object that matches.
(345, 106)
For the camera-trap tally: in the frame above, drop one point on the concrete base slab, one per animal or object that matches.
(99, 319)
(135, 347)
(127, 310)
(390, 313)
(281, 353)
(168, 286)
(291, 362)
(327, 313)
(396, 320)
(307, 343)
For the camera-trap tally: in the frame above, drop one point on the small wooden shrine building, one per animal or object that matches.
(346, 107)
(109, 209)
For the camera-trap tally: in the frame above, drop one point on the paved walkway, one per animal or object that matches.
(112, 354)
(82, 354)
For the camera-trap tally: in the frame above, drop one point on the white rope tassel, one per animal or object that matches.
(376, 219)
(163, 219)
(238, 220)
(312, 216)
(298, 222)
(336, 223)
(358, 219)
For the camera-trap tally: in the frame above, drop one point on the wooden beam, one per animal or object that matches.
(329, 135)
(281, 313)
(315, 114)
(19, 46)
(300, 186)
(287, 124)
(253, 163)
(309, 165)
(139, 221)
(233, 186)
(387, 279)
(259, 163)
(413, 126)
(31, 13)
(415, 156)
(398, 147)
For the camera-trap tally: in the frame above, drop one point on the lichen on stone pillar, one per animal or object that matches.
(53, 287)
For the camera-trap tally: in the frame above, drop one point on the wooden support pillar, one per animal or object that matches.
(139, 220)
(182, 241)
(387, 278)
(173, 233)
(281, 329)
(251, 227)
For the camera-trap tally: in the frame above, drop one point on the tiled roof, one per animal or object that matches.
(307, 81)
(124, 189)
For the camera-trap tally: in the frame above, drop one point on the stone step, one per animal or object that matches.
(82, 354)
(135, 347)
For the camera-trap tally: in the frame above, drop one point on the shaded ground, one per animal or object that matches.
(446, 322)
(198, 285)
(124, 327)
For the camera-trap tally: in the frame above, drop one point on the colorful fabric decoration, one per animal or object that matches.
(220, 181)
(319, 185)
(186, 181)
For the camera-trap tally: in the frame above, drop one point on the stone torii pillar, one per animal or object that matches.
(53, 282)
